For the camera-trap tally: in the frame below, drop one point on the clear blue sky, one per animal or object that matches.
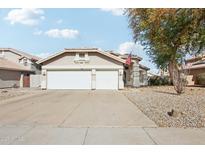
(46, 31)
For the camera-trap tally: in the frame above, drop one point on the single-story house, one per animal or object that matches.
(194, 67)
(89, 68)
(16, 67)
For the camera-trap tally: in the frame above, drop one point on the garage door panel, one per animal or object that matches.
(69, 80)
(106, 79)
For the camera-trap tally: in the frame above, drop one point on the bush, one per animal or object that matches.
(158, 80)
(200, 79)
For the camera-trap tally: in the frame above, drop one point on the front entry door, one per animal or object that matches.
(26, 80)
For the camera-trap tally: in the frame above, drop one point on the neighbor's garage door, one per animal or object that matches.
(106, 79)
(69, 80)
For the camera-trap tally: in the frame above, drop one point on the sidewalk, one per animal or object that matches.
(106, 135)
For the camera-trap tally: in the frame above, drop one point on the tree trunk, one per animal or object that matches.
(177, 77)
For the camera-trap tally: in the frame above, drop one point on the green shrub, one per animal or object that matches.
(157, 81)
(200, 79)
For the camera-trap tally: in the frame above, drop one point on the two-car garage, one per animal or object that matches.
(82, 79)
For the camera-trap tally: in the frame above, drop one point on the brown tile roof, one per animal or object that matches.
(133, 57)
(81, 49)
(125, 55)
(8, 65)
(199, 62)
(196, 58)
(22, 54)
(144, 67)
(198, 66)
(196, 62)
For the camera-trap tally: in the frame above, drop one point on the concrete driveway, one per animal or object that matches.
(65, 108)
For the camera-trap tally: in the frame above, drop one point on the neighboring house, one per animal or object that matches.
(82, 68)
(16, 67)
(11, 74)
(90, 68)
(195, 66)
(135, 75)
(19, 57)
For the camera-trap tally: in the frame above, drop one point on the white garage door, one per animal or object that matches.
(106, 79)
(69, 80)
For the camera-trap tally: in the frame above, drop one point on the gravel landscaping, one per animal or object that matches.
(14, 92)
(167, 109)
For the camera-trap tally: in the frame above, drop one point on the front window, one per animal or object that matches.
(25, 63)
(1, 53)
(141, 77)
(82, 55)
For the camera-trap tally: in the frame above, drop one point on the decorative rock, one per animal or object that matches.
(156, 102)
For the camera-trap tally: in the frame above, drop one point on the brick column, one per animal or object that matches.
(135, 73)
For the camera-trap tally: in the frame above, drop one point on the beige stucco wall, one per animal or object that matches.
(134, 73)
(190, 80)
(35, 80)
(9, 78)
(128, 76)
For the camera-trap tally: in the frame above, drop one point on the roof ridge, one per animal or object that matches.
(22, 53)
(83, 48)
(125, 54)
(76, 49)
